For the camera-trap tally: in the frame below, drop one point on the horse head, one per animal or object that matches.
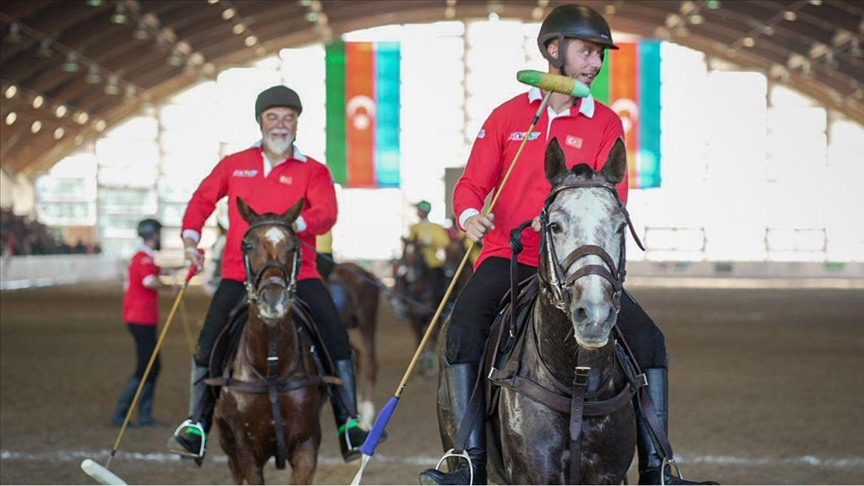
(271, 254)
(410, 266)
(582, 250)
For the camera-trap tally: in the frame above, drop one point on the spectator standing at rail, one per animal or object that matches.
(141, 314)
(574, 39)
(270, 177)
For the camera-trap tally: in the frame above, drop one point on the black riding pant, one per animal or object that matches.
(311, 291)
(145, 343)
(479, 301)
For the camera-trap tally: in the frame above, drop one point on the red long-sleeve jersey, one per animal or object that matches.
(586, 133)
(141, 303)
(243, 175)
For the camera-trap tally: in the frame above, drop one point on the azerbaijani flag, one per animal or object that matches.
(363, 113)
(630, 85)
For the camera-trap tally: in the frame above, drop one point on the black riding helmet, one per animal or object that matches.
(148, 227)
(277, 96)
(574, 21)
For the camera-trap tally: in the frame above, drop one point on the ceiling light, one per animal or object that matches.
(141, 32)
(11, 91)
(14, 35)
(38, 101)
(93, 76)
(609, 9)
(59, 132)
(82, 117)
(790, 15)
(71, 64)
(60, 111)
(714, 4)
(11, 117)
(250, 41)
(536, 13)
(36, 126)
(228, 13)
(238, 29)
(312, 16)
(697, 19)
(211, 2)
(44, 50)
(815, 2)
(748, 42)
(100, 125)
(112, 88)
(94, 3)
(119, 15)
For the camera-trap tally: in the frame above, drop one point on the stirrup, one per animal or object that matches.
(199, 430)
(464, 455)
(669, 462)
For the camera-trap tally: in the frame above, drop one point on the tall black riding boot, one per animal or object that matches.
(344, 401)
(124, 402)
(145, 406)
(190, 438)
(651, 470)
(460, 384)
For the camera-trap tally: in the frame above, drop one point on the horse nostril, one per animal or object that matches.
(581, 315)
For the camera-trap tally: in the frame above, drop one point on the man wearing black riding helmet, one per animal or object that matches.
(574, 39)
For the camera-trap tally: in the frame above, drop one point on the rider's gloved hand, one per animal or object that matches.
(192, 254)
(478, 225)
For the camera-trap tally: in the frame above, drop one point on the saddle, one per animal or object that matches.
(225, 349)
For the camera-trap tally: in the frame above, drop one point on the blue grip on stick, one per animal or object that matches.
(374, 436)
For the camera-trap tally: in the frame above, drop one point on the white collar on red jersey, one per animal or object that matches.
(298, 155)
(146, 249)
(586, 107)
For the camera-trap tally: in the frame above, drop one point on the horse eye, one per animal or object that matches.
(554, 227)
(247, 246)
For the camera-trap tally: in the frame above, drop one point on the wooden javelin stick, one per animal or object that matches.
(368, 448)
(452, 285)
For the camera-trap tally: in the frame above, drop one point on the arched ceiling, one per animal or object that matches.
(102, 60)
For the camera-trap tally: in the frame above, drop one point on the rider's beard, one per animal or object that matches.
(279, 141)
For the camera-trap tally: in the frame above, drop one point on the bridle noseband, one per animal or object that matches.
(253, 282)
(557, 288)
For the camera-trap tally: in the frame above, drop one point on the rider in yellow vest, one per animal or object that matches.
(434, 239)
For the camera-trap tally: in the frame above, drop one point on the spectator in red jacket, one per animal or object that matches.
(270, 177)
(141, 314)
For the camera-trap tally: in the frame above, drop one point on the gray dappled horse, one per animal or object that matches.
(570, 323)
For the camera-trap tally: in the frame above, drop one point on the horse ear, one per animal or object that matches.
(556, 167)
(249, 215)
(615, 167)
(293, 212)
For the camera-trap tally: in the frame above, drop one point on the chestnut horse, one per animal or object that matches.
(562, 412)
(356, 292)
(271, 404)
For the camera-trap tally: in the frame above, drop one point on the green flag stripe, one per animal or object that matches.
(335, 81)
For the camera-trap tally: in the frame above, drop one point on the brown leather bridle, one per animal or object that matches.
(557, 286)
(288, 280)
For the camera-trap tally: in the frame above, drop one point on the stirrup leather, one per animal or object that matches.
(193, 428)
(463, 455)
